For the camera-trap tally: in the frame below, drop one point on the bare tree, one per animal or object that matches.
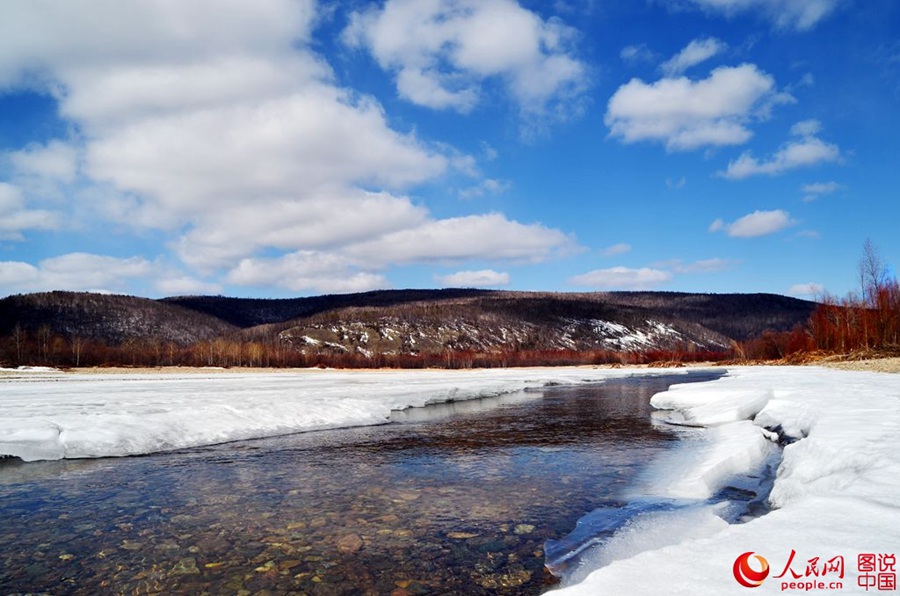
(19, 336)
(77, 348)
(873, 273)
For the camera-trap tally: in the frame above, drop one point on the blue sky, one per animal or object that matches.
(289, 148)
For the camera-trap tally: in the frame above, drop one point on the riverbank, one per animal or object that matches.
(860, 361)
(883, 365)
(834, 498)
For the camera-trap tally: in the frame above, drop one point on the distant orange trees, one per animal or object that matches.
(864, 321)
(869, 320)
(45, 348)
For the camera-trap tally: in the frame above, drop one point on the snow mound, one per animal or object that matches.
(835, 493)
(708, 405)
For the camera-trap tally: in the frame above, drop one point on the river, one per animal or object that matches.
(459, 498)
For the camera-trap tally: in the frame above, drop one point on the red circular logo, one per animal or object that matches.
(746, 575)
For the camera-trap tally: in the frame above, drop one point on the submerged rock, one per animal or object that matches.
(350, 543)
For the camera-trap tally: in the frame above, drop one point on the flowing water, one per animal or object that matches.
(459, 498)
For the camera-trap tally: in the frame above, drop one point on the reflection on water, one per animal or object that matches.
(452, 499)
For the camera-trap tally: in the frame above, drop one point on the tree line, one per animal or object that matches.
(44, 348)
(867, 320)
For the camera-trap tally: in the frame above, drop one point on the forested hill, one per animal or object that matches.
(112, 319)
(249, 312)
(427, 326)
(735, 316)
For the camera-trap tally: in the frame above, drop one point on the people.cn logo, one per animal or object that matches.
(746, 575)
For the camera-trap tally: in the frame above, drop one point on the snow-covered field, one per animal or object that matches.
(836, 495)
(52, 415)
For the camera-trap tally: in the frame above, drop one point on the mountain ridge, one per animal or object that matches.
(366, 327)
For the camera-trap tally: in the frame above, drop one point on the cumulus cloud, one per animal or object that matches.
(38, 177)
(306, 270)
(322, 222)
(56, 160)
(623, 278)
(462, 238)
(685, 114)
(485, 278)
(808, 289)
(646, 278)
(75, 271)
(758, 223)
(216, 124)
(185, 285)
(699, 50)
(442, 51)
(801, 15)
(806, 128)
(806, 151)
(16, 216)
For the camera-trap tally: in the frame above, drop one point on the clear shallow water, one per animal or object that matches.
(451, 499)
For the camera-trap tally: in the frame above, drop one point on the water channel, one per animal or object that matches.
(452, 499)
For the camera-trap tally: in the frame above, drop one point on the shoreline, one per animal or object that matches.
(889, 364)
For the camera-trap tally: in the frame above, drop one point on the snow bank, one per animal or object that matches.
(57, 416)
(29, 369)
(836, 494)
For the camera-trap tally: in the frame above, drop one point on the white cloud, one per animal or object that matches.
(686, 114)
(818, 189)
(461, 238)
(488, 186)
(806, 128)
(75, 36)
(224, 156)
(807, 151)
(216, 123)
(699, 50)
(784, 14)
(616, 249)
(758, 223)
(16, 217)
(637, 53)
(822, 188)
(485, 278)
(55, 160)
(75, 271)
(306, 270)
(184, 285)
(324, 221)
(623, 278)
(442, 51)
(715, 265)
(808, 289)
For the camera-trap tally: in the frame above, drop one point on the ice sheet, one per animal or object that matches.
(57, 415)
